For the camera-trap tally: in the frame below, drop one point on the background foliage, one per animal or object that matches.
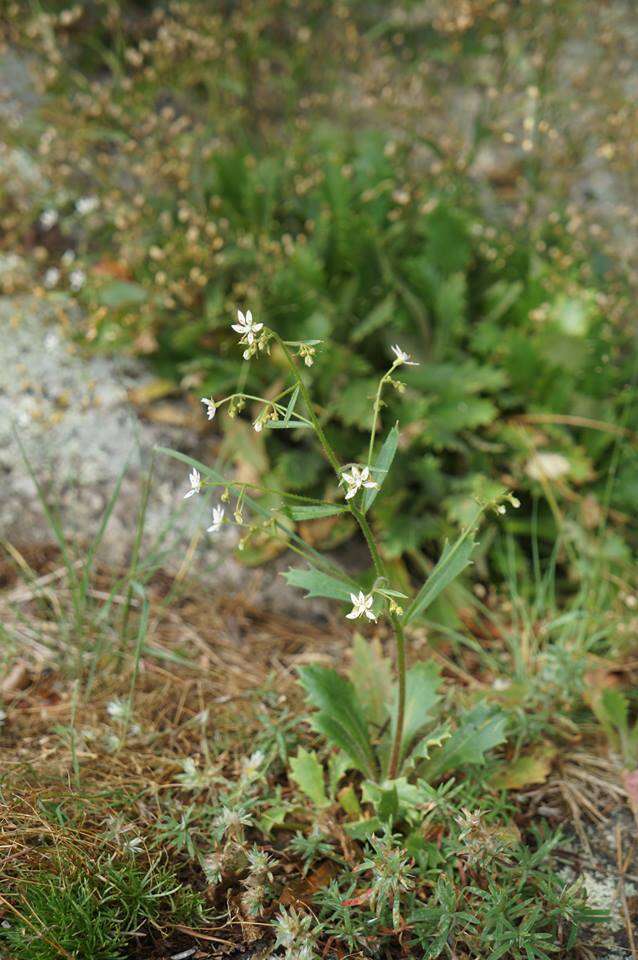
(234, 164)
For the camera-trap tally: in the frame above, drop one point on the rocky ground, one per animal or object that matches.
(72, 421)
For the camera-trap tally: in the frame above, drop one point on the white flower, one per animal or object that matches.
(361, 606)
(211, 408)
(250, 765)
(77, 279)
(68, 257)
(547, 466)
(49, 219)
(195, 481)
(258, 426)
(51, 278)
(403, 357)
(246, 326)
(218, 520)
(86, 205)
(134, 845)
(357, 479)
(117, 709)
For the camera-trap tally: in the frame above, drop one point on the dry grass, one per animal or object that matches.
(216, 675)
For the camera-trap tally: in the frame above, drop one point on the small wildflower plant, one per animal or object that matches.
(356, 486)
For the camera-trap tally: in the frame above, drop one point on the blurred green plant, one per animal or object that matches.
(208, 186)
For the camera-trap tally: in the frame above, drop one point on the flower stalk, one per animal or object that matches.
(364, 526)
(256, 338)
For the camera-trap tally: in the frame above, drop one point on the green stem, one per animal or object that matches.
(377, 408)
(395, 756)
(372, 547)
(399, 637)
(327, 449)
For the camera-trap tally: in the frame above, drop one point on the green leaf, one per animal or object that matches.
(377, 318)
(616, 707)
(354, 402)
(341, 717)
(288, 425)
(453, 561)
(371, 676)
(423, 746)
(364, 828)
(121, 293)
(387, 805)
(450, 306)
(421, 696)
(291, 404)
(318, 584)
(479, 730)
(381, 465)
(307, 773)
(313, 512)
(338, 764)
(349, 801)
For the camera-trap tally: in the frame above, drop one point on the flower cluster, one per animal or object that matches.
(355, 478)
(248, 330)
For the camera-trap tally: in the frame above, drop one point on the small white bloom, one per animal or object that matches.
(246, 327)
(258, 426)
(68, 257)
(49, 218)
(403, 357)
(77, 279)
(361, 606)
(356, 479)
(218, 520)
(86, 205)
(134, 845)
(547, 466)
(211, 408)
(195, 481)
(117, 709)
(250, 765)
(51, 278)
